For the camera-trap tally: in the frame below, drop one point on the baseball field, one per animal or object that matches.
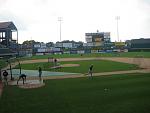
(125, 89)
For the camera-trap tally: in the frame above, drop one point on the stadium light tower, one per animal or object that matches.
(117, 19)
(60, 20)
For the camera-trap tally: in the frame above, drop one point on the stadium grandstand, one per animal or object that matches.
(142, 44)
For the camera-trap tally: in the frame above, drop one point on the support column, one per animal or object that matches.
(17, 44)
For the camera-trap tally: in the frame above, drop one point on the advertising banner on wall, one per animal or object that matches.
(94, 51)
(98, 39)
(80, 52)
(120, 44)
(41, 50)
(98, 43)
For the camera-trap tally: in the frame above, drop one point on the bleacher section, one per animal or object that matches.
(140, 44)
(6, 51)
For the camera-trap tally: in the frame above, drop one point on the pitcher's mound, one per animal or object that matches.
(70, 65)
(28, 84)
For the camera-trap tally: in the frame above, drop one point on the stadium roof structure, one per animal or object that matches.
(8, 43)
(7, 26)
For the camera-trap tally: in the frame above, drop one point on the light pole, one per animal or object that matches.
(10, 69)
(60, 20)
(19, 65)
(18, 48)
(117, 19)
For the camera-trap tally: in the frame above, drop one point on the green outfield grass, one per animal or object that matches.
(123, 54)
(105, 94)
(99, 66)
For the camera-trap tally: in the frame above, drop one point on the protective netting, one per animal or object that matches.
(12, 64)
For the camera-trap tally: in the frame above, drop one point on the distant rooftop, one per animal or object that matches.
(141, 40)
(97, 33)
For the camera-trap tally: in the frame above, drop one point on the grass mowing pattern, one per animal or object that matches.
(34, 66)
(124, 94)
(123, 54)
(99, 66)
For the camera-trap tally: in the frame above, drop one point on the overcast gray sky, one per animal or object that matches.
(38, 19)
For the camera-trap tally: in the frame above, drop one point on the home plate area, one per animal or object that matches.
(28, 84)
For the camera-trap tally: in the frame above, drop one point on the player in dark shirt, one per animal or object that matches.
(5, 74)
(23, 77)
(91, 70)
(40, 73)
